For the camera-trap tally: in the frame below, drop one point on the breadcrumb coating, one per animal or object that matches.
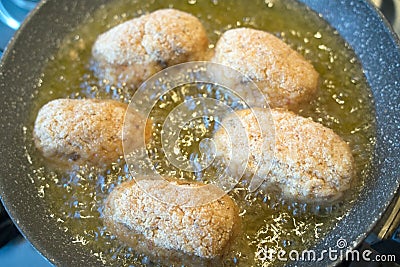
(310, 162)
(133, 51)
(167, 232)
(72, 132)
(284, 76)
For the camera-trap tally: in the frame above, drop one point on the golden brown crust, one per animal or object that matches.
(167, 231)
(136, 49)
(282, 74)
(78, 131)
(309, 162)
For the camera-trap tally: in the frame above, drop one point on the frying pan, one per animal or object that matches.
(358, 22)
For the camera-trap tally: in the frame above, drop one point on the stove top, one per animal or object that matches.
(12, 14)
(16, 251)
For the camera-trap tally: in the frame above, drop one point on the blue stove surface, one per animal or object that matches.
(12, 13)
(20, 253)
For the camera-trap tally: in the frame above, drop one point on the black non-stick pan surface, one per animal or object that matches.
(358, 22)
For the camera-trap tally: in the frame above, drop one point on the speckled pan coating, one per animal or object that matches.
(378, 49)
(357, 21)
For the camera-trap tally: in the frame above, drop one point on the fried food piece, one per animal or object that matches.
(72, 132)
(133, 51)
(283, 75)
(309, 162)
(172, 234)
